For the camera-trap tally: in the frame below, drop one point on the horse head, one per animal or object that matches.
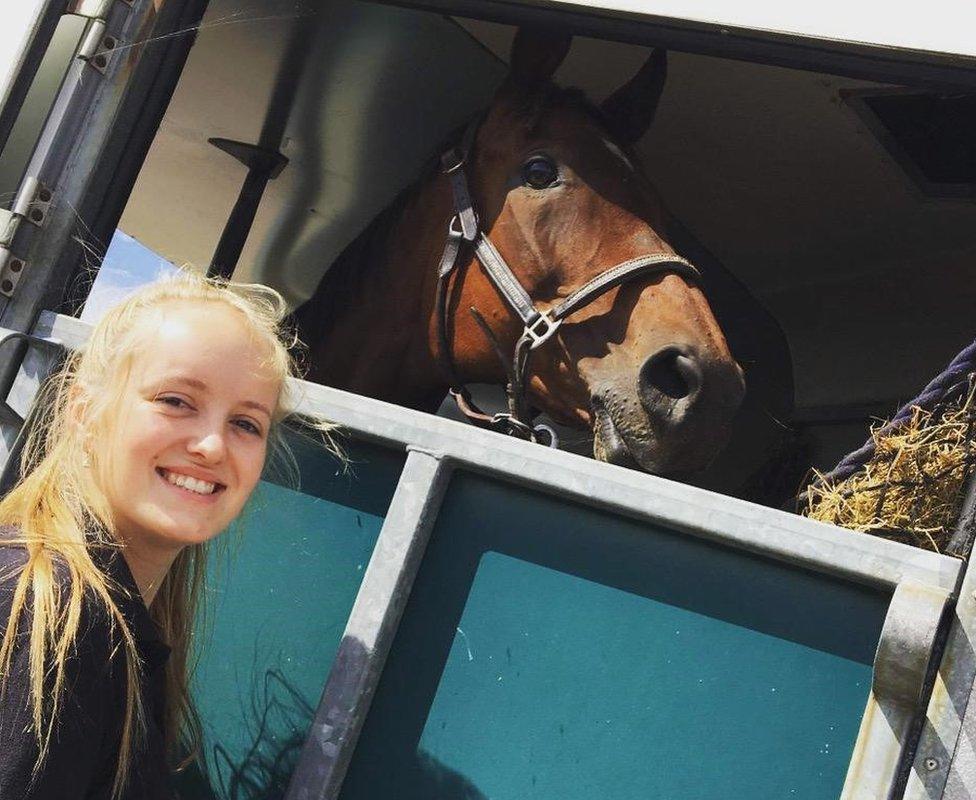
(562, 199)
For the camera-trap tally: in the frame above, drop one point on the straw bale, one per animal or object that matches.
(912, 488)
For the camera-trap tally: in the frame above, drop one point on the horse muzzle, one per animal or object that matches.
(674, 418)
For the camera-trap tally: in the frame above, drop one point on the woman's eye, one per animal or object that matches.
(247, 426)
(540, 172)
(175, 402)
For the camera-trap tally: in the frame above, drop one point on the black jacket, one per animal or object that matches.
(84, 748)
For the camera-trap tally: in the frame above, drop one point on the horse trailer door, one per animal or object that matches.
(465, 615)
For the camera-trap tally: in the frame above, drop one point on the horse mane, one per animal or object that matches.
(350, 268)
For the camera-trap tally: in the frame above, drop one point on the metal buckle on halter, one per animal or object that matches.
(506, 423)
(454, 226)
(550, 328)
(541, 428)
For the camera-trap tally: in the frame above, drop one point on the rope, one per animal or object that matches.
(951, 379)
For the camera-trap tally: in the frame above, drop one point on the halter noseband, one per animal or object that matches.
(539, 325)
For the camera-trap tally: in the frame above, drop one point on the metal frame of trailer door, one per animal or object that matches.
(635, 22)
(921, 583)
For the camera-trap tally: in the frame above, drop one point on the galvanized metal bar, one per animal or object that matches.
(945, 759)
(961, 543)
(900, 667)
(371, 627)
(735, 523)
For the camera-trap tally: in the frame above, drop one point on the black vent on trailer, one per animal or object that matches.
(932, 137)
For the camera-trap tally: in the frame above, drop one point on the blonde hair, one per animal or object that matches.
(60, 511)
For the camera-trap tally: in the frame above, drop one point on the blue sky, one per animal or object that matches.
(128, 265)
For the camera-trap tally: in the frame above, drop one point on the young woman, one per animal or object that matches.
(157, 434)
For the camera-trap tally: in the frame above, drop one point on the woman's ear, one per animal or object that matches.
(78, 417)
(79, 409)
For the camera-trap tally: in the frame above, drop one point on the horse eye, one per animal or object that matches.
(539, 172)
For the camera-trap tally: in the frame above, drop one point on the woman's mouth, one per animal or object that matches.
(189, 483)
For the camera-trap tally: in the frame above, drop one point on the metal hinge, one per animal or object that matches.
(31, 205)
(11, 268)
(32, 202)
(93, 9)
(97, 46)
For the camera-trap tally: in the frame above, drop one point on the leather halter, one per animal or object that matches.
(539, 325)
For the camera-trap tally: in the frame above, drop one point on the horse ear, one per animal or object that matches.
(629, 111)
(536, 55)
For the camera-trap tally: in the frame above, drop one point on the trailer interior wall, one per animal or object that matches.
(769, 167)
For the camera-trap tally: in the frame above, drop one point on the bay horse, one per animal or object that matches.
(561, 199)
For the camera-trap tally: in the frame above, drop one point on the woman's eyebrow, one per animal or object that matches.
(186, 380)
(258, 406)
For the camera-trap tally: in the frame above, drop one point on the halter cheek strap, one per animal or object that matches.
(538, 325)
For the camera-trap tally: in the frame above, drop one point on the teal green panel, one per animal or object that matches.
(278, 600)
(554, 651)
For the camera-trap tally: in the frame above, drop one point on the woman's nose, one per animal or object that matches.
(210, 446)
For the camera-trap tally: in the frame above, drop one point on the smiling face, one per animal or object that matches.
(187, 441)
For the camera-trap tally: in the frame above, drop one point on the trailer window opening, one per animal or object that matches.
(127, 265)
(930, 135)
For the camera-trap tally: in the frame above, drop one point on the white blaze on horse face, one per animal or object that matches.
(619, 154)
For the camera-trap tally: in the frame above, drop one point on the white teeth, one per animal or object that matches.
(186, 482)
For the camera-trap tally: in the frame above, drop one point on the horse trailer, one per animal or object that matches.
(459, 613)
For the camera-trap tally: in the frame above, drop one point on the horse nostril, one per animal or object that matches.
(670, 372)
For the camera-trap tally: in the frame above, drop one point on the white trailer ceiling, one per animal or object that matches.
(380, 87)
(767, 166)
